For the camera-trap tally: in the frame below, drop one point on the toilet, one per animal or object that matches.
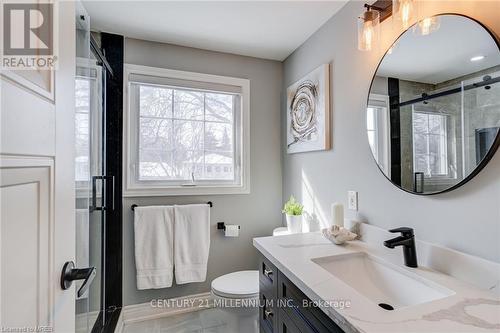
(237, 296)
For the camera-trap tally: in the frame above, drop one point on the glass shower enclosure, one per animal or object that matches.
(89, 166)
(446, 135)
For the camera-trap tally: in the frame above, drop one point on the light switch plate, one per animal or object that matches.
(352, 200)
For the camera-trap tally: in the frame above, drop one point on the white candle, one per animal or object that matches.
(338, 214)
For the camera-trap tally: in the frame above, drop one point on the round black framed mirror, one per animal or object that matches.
(433, 111)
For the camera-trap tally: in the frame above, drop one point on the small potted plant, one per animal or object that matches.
(293, 211)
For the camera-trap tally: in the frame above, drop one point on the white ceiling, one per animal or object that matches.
(443, 55)
(264, 29)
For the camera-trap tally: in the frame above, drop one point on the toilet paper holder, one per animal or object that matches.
(222, 226)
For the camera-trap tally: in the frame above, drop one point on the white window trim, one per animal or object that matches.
(132, 189)
(386, 147)
(440, 178)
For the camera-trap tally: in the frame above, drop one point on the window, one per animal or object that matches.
(430, 153)
(88, 113)
(82, 130)
(372, 130)
(377, 127)
(188, 133)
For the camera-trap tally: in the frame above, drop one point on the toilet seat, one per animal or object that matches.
(242, 284)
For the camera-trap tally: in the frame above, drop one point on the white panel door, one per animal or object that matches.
(37, 229)
(26, 228)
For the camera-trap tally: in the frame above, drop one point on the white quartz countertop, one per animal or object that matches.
(469, 309)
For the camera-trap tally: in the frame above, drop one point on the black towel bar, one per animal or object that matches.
(208, 203)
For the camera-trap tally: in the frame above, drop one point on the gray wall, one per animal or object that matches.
(258, 213)
(467, 219)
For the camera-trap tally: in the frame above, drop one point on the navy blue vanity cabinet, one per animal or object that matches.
(285, 324)
(301, 310)
(268, 293)
(283, 307)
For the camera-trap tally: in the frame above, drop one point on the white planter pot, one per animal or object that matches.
(294, 223)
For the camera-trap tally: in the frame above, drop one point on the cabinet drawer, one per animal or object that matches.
(268, 276)
(285, 324)
(268, 316)
(307, 319)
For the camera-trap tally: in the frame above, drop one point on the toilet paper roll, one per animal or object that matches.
(232, 230)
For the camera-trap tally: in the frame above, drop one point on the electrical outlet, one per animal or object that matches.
(352, 200)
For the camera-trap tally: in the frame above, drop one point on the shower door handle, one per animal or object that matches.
(105, 180)
(70, 274)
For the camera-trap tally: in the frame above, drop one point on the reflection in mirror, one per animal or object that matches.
(433, 113)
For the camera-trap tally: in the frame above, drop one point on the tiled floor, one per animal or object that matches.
(202, 321)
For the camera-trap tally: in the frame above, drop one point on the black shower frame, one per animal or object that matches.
(110, 55)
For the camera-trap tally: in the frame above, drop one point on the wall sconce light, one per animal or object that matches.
(369, 23)
(427, 26)
(403, 11)
(368, 29)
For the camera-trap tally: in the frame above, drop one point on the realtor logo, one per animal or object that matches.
(28, 36)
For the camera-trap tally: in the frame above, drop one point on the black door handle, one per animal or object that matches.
(70, 274)
(105, 180)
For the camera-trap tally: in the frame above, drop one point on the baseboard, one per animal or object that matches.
(119, 323)
(162, 308)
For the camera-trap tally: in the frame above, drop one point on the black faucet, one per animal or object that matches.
(407, 241)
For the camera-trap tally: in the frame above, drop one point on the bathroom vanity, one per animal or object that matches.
(308, 284)
(432, 124)
(285, 308)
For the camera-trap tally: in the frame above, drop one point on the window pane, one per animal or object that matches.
(421, 162)
(435, 145)
(420, 122)
(188, 135)
(186, 163)
(420, 144)
(155, 164)
(219, 107)
(437, 152)
(437, 124)
(82, 129)
(155, 101)
(183, 132)
(370, 119)
(82, 147)
(82, 95)
(155, 134)
(219, 166)
(371, 141)
(435, 164)
(218, 137)
(429, 141)
(188, 105)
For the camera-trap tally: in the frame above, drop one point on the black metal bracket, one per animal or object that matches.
(94, 46)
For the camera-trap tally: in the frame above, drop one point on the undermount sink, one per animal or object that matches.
(387, 285)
